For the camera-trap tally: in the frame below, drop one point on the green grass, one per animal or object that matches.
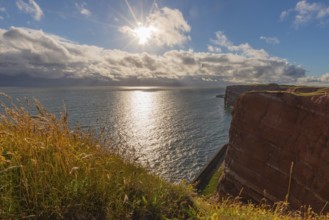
(317, 91)
(48, 171)
(211, 186)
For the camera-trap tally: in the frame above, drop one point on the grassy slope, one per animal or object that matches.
(48, 171)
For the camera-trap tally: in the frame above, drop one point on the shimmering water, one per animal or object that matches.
(172, 131)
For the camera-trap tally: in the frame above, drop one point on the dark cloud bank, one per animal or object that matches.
(32, 57)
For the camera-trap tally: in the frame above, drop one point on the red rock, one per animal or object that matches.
(272, 132)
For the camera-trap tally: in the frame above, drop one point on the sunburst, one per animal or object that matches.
(143, 33)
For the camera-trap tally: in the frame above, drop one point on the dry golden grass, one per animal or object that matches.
(49, 171)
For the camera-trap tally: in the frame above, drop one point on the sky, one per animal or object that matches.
(164, 42)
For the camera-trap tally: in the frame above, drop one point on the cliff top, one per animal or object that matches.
(232, 92)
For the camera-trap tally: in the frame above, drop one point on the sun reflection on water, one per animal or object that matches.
(142, 104)
(158, 134)
(155, 124)
(145, 116)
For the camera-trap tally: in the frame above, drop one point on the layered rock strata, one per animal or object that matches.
(279, 148)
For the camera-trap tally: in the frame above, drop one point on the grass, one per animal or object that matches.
(318, 91)
(211, 186)
(48, 171)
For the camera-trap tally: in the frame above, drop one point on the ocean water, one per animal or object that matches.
(174, 132)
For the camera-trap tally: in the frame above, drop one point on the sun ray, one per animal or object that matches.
(131, 11)
(153, 7)
(140, 29)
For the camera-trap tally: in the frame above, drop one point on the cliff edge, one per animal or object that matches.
(233, 92)
(279, 148)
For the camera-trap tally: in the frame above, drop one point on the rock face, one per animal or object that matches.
(279, 145)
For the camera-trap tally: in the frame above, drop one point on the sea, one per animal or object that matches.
(173, 132)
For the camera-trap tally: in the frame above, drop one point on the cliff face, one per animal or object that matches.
(277, 138)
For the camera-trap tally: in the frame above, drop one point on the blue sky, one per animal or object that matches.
(190, 41)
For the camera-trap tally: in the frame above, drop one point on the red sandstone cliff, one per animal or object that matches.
(275, 138)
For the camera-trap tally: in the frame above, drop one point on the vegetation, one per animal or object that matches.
(211, 186)
(48, 171)
(306, 91)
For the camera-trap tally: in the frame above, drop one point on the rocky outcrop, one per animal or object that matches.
(279, 148)
(233, 92)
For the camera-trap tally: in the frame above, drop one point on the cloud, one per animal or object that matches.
(39, 55)
(270, 40)
(285, 14)
(171, 27)
(30, 7)
(221, 40)
(214, 49)
(322, 80)
(245, 49)
(305, 12)
(82, 9)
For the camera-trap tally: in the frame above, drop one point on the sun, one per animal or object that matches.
(143, 33)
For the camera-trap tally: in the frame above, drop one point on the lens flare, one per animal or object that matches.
(143, 33)
(140, 28)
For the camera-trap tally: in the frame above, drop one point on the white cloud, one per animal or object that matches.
(305, 12)
(171, 27)
(82, 9)
(270, 40)
(30, 7)
(242, 49)
(37, 54)
(221, 40)
(322, 80)
(285, 14)
(324, 12)
(214, 49)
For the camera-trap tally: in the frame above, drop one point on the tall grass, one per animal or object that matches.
(48, 171)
